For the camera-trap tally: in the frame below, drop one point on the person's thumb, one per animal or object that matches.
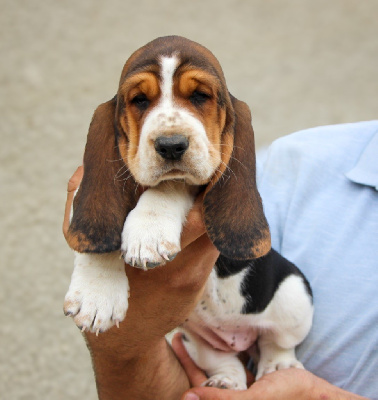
(206, 393)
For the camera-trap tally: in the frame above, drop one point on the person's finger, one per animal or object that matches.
(194, 226)
(75, 179)
(206, 393)
(195, 375)
(73, 184)
(192, 266)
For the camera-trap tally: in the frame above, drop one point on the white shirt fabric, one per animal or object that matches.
(320, 195)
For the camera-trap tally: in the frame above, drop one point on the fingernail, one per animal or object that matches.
(191, 396)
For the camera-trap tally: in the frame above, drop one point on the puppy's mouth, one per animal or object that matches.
(174, 173)
(190, 177)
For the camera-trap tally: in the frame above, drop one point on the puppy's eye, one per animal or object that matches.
(198, 98)
(141, 102)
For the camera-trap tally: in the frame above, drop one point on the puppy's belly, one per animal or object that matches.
(218, 318)
(228, 339)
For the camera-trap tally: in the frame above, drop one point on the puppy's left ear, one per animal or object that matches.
(233, 211)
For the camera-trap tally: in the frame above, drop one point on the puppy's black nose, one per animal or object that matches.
(171, 147)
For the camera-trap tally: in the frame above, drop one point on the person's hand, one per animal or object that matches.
(73, 184)
(160, 300)
(287, 384)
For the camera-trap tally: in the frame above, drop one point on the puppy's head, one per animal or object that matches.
(172, 108)
(172, 118)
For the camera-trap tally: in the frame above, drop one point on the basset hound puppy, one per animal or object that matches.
(173, 130)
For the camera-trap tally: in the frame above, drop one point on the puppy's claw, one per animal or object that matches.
(172, 256)
(169, 257)
(224, 382)
(151, 265)
(117, 323)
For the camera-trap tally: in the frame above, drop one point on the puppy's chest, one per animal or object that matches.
(222, 300)
(218, 316)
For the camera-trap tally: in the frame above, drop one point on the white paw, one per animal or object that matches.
(149, 240)
(268, 366)
(97, 297)
(225, 382)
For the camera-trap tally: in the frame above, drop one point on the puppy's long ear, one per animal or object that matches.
(233, 211)
(107, 192)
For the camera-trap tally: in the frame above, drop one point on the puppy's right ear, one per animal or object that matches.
(107, 192)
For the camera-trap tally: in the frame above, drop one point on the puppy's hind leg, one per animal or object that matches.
(291, 313)
(224, 369)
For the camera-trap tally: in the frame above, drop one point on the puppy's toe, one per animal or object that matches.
(144, 259)
(119, 311)
(102, 320)
(72, 304)
(85, 317)
(290, 364)
(279, 363)
(225, 382)
(168, 250)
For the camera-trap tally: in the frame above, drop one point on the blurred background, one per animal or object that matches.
(297, 63)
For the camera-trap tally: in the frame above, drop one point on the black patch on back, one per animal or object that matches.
(226, 267)
(264, 275)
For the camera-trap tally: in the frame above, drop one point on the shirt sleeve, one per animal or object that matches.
(275, 181)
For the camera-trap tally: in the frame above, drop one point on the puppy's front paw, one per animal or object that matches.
(97, 297)
(149, 240)
(225, 382)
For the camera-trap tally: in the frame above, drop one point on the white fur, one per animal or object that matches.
(283, 324)
(98, 294)
(222, 300)
(152, 231)
(224, 369)
(151, 234)
(200, 160)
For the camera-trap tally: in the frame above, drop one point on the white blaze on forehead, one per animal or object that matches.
(168, 68)
(170, 118)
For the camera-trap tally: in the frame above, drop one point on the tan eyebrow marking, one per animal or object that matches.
(145, 82)
(192, 79)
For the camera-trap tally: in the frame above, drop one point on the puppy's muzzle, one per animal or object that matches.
(171, 147)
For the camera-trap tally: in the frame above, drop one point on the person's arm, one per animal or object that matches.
(287, 384)
(135, 361)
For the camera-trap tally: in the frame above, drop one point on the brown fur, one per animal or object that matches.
(233, 211)
(232, 207)
(103, 201)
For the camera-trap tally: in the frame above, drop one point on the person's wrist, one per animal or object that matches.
(117, 347)
(153, 365)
